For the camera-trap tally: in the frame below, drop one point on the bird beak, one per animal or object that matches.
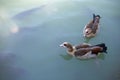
(61, 45)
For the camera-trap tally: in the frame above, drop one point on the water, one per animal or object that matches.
(31, 32)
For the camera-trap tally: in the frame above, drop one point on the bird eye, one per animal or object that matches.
(65, 44)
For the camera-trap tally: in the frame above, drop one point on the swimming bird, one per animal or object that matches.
(91, 28)
(85, 50)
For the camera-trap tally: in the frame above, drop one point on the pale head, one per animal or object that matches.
(64, 44)
(88, 31)
(68, 46)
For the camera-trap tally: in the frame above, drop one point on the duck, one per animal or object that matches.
(91, 28)
(85, 50)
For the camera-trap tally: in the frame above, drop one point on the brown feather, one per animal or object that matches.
(96, 50)
(82, 51)
(92, 26)
(82, 46)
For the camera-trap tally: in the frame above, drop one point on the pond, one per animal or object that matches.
(31, 32)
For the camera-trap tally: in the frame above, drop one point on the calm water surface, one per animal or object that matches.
(31, 32)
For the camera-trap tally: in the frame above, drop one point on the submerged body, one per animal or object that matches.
(91, 28)
(84, 51)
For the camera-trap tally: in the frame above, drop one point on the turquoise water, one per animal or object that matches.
(30, 35)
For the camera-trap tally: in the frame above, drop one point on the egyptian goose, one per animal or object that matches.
(85, 51)
(91, 28)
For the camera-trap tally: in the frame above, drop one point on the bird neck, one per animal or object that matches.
(71, 50)
(69, 47)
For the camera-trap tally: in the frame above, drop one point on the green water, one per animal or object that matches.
(33, 52)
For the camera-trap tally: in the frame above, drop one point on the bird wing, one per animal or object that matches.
(82, 51)
(84, 45)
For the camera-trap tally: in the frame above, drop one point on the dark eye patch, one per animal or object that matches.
(65, 44)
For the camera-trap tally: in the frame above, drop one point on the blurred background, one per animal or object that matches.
(32, 30)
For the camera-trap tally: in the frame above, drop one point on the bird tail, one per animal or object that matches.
(95, 16)
(103, 46)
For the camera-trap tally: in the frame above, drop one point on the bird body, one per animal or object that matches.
(84, 51)
(91, 28)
